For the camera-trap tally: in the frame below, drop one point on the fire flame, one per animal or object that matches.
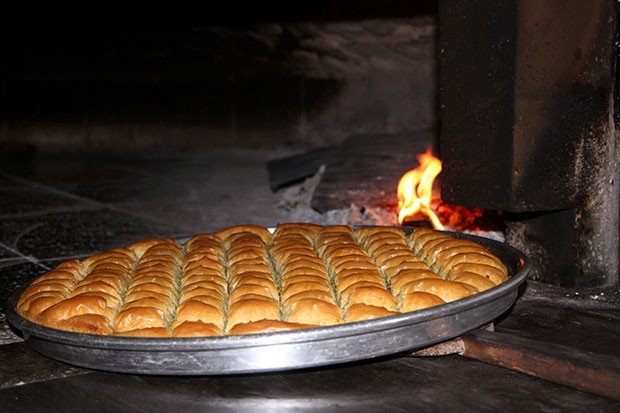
(415, 189)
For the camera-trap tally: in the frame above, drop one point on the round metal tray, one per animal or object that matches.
(284, 350)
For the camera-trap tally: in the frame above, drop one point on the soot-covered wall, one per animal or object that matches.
(252, 78)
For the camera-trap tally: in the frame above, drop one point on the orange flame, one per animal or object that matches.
(415, 189)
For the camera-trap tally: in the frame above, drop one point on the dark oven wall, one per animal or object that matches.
(527, 127)
(255, 76)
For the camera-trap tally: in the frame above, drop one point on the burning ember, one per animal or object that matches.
(415, 190)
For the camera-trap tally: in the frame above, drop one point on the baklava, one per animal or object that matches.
(249, 279)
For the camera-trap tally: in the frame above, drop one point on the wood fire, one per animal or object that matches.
(415, 190)
(418, 200)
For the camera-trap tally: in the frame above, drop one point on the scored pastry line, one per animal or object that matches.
(204, 273)
(151, 289)
(303, 272)
(251, 260)
(124, 286)
(277, 279)
(366, 242)
(319, 247)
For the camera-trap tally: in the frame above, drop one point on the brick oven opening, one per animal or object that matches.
(114, 133)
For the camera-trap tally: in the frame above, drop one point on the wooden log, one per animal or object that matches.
(594, 373)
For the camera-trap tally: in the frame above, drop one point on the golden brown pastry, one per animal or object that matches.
(446, 255)
(246, 280)
(419, 300)
(196, 329)
(266, 326)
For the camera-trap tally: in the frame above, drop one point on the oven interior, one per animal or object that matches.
(520, 106)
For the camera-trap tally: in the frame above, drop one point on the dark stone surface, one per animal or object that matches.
(66, 234)
(584, 318)
(20, 365)
(6, 254)
(28, 200)
(89, 179)
(449, 383)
